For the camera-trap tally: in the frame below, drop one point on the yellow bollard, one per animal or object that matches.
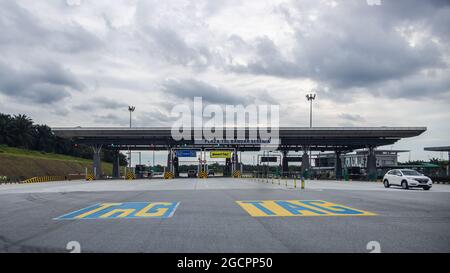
(279, 180)
(303, 183)
(295, 182)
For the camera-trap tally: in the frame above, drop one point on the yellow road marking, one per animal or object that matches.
(283, 208)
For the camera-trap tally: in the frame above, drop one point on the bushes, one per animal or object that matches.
(440, 179)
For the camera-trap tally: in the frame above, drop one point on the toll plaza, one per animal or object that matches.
(339, 140)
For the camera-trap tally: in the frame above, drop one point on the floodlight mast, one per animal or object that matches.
(131, 110)
(310, 98)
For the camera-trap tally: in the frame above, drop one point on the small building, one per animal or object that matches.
(355, 163)
(441, 149)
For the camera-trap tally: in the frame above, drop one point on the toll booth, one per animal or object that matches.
(140, 171)
(227, 170)
(221, 154)
(176, 163)
(178, 154)
(267, 161)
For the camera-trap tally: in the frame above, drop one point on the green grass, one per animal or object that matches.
(6, 150)
(21, 164)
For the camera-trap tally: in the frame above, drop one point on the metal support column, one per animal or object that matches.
(116, 164)
(235, 162)
(285, 164)
(371, 165)
(241, 166)
(448, 165)
(338, 165)
(170, 161)
(176, 172)
(97, 164)
(305, 165)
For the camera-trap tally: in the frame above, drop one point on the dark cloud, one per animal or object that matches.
(190, 88)
(22, 28)
(351, 117)
(155, 117)
(175, 49)
(354, 46)
(268, 60)
(111, 119)
(101, 103)
(421, 86)
(44, 84)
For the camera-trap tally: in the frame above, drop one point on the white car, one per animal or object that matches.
(406, 179)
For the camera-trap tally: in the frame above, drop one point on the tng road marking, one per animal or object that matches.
(127, 210)
(271, 208)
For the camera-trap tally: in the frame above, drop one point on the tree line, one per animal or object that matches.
(20, 131)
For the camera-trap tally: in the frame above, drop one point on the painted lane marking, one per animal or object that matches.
(126, 210)
(284, 208)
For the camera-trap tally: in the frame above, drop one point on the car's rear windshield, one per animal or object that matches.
(407, 172)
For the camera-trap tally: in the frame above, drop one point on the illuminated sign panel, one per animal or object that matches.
(186, 153)
(220, 154)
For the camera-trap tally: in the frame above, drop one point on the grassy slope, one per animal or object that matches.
(20, 163)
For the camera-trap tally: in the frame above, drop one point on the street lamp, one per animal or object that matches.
(131, 110)
(310, 98)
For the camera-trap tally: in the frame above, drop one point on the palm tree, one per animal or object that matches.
(20, 131)
(4, 123)
(44, 139)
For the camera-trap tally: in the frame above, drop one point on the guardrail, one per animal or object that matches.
(293, 180)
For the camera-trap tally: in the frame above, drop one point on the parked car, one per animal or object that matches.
(407, 178)
(192, 173)
(211, 172)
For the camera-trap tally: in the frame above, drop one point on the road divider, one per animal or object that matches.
(168, 175)
(51, 178)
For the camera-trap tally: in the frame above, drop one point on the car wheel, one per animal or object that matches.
(426, 188)
(405, 185)
(386, 183)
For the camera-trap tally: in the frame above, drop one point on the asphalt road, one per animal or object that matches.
(208, 219)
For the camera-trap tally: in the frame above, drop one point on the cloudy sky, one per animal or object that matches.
(81, 62)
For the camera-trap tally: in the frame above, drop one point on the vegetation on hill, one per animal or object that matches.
(21, 132)
(19, 164)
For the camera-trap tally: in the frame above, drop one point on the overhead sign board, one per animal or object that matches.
(186, 153)
(220, 154)
(268, 159)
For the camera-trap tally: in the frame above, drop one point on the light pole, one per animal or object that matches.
(131, 110)
(310, 97)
